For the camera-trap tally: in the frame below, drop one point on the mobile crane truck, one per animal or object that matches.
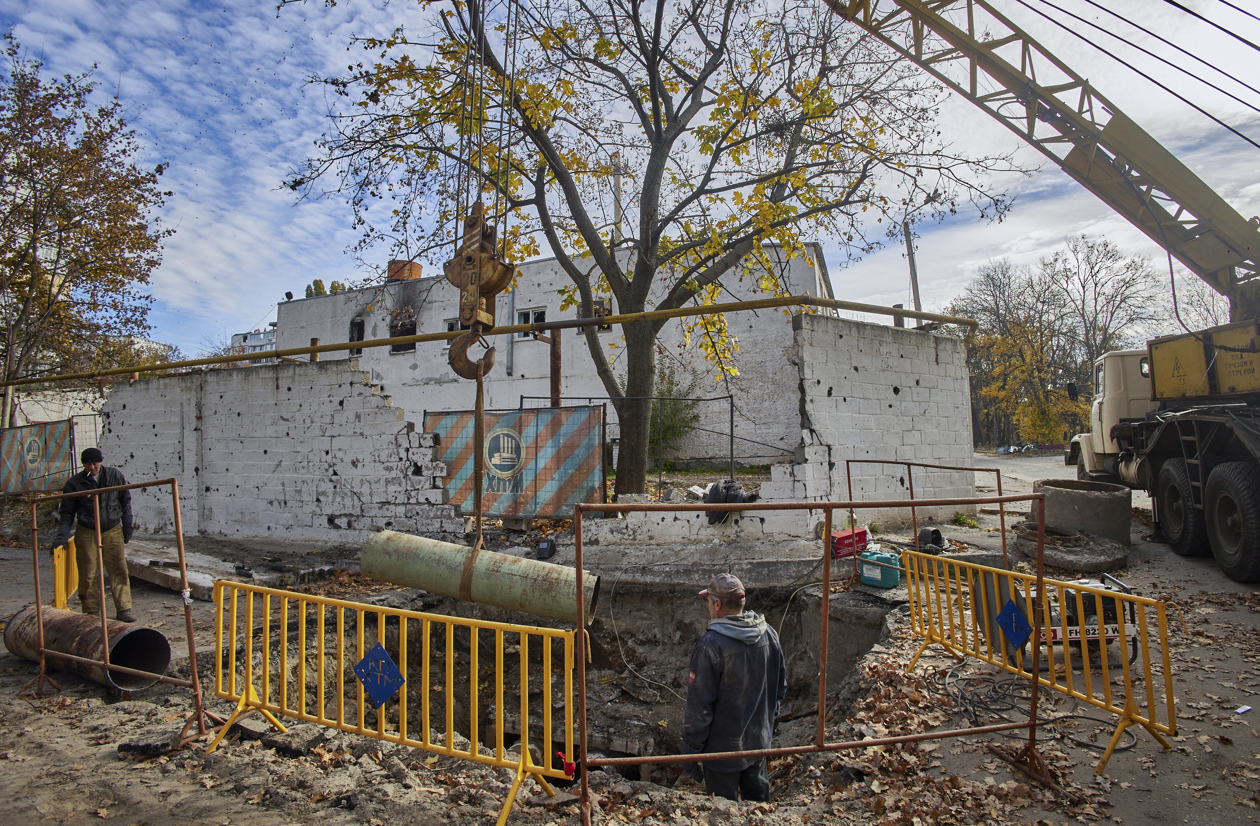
(1181, 421)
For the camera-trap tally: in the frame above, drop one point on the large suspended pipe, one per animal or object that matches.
(485, 577)
(80, 635)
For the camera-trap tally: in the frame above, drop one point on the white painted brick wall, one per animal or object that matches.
(907, 400)
(299, 451)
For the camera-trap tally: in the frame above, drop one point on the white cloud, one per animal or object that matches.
(218, 90)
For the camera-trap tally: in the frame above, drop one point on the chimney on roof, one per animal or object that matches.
(404, 270)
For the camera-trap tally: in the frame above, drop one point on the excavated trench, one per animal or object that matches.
(640, 643)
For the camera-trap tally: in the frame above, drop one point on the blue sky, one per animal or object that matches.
(218, 91)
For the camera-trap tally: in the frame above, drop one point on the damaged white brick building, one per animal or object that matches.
(333, 449)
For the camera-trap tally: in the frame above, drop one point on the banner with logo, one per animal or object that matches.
(36, 458)
(538, 462)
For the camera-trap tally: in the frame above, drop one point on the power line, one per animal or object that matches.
(1146, 51)
(1135, 69)
(1168, 42)
(1242, 11)
(1194, 13)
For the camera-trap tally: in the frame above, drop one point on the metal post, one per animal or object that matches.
(100, 574)
(1006, 563)
(314, 356)
(730, 401)
(914, 270)
(826, 611)
(479, 449)
(914, 517)
(556, 381)
(187, 600)
(584, 795)
(603, 453)
(899, 320)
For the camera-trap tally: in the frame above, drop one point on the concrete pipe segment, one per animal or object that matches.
(486, 577)
(69, 632)
(1096, 508)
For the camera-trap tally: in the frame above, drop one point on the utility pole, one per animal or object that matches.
(914, 271)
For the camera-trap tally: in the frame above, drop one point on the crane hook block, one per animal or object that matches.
(463, 366)
(477, 272)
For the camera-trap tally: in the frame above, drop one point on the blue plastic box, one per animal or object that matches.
(879, 576)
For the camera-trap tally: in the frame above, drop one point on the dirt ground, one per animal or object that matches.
(86, 755)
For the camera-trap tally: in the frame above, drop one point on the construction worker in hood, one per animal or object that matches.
(736, 683)
(78, 517)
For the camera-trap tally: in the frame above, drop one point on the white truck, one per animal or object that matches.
(1181, 421)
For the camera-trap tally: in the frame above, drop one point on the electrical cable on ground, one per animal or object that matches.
(983, 696)
(612, 615)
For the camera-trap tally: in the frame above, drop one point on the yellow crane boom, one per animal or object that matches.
(980, 54)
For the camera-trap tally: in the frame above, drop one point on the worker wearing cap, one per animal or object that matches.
(736, 683)
(78, 515)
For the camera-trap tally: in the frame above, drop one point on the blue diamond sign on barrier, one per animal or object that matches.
(380, 677)
(1014, 624)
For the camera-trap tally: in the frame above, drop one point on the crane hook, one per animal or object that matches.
(463, 366)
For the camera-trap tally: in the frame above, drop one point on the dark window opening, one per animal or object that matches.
(603, 309)
(530, 317)
(356, 334)
(403, 323)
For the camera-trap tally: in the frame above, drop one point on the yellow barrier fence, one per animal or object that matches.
(1101, 646)
(284, 653)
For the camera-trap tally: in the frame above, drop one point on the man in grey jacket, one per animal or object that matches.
(78, 517)
(736, 683)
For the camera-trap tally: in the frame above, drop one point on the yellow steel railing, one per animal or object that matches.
(955, 604)
(284, 653)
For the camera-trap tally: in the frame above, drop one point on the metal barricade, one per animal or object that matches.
(66, 580)
(262, 669)
(1026, 759)
(960, 606)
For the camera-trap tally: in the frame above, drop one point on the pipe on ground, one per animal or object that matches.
(485, 577)
(80, 635)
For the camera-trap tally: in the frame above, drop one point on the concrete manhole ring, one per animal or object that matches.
(1075, 551)
(1027, 532)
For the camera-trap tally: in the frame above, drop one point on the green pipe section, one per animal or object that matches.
(484, 577)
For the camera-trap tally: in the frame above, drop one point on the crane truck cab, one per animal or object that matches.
(1181, 421)
(1122, 396)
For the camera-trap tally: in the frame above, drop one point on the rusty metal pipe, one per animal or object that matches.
(657, 759)
(144, 652)
(476, 575)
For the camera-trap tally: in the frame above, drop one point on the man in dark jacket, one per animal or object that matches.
(734, 689)
(78, 516)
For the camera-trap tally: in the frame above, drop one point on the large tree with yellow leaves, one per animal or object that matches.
(77, 237)
(730, 124)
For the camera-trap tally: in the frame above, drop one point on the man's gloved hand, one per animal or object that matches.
(63, 536)
(694, 771)
(129, 530)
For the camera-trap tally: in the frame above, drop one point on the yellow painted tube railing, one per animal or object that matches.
(286, 654)
(956, 604)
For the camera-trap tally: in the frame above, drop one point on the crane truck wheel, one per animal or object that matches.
(1231, 503)
(1181, 521)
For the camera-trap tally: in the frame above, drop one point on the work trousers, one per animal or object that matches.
(115, 567)
(753, 783)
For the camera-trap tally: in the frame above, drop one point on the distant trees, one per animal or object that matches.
(77, 240)
(1042, 327)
